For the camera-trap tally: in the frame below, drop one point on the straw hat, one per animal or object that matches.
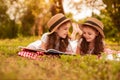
(95, 23)
(56, 21)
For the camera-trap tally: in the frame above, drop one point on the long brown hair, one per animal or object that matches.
(52, 42)
(98, 47)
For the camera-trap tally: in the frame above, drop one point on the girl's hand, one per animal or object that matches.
(76, 28)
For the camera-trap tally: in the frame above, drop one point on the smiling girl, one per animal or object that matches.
(91, 41)
(57, 37)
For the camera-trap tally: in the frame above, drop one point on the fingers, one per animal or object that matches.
(76, 28)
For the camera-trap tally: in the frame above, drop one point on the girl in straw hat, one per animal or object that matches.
(91, 40)
(57, 37)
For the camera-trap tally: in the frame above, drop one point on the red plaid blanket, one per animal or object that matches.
(30, 54)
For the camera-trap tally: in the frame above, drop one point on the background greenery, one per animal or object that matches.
(28, 18)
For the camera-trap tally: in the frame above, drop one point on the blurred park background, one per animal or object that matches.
(29, 17)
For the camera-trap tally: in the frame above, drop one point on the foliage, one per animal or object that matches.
(21, 16)
(29, 17)
(27, 23)
(113, 9)
(110, 31)
(112, 12)
(14, 67)
(56, 7)
(34, 17)
(8, 28)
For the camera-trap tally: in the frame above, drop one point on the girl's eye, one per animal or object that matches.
(84, 32)
(65, 29)
(89, 33)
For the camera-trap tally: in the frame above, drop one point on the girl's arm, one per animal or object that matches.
(76, 29)
(44, 41)
(43, 45)
(78, 46)
(109, 51)
(78, 50)
(71, 48)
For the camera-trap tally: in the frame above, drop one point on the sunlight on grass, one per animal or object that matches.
(89, 67)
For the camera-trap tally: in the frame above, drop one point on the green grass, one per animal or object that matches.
(14, 67)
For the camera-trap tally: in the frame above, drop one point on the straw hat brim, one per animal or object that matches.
(96, 27)
(56, 27)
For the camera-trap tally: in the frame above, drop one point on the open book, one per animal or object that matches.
(49, 51)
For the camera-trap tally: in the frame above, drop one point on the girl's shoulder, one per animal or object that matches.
(45, 34)
(44, 37)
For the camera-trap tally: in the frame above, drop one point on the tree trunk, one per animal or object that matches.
(57, 7)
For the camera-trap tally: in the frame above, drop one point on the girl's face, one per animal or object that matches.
(62, 31)
(89, 34)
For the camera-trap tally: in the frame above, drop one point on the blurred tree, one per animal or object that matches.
(27, 21)
(113, 9)
(57, 7)
(39, 11)
(92, 5)
(42, 10)
(33, 16)
(30, 16)
(3, 18)
(15, 10)
(8, 28)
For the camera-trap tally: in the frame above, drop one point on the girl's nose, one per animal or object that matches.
(67, 31)
(86, 35)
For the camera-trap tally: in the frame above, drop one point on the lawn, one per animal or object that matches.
(89, 67)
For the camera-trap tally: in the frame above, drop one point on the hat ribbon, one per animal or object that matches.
(56, 23)
(93, 24)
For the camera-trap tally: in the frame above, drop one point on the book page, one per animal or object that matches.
(53, 51)
(31, 49)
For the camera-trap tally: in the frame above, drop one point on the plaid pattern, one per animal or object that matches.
(30, 54)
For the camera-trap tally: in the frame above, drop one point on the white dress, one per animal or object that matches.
(37, 44)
